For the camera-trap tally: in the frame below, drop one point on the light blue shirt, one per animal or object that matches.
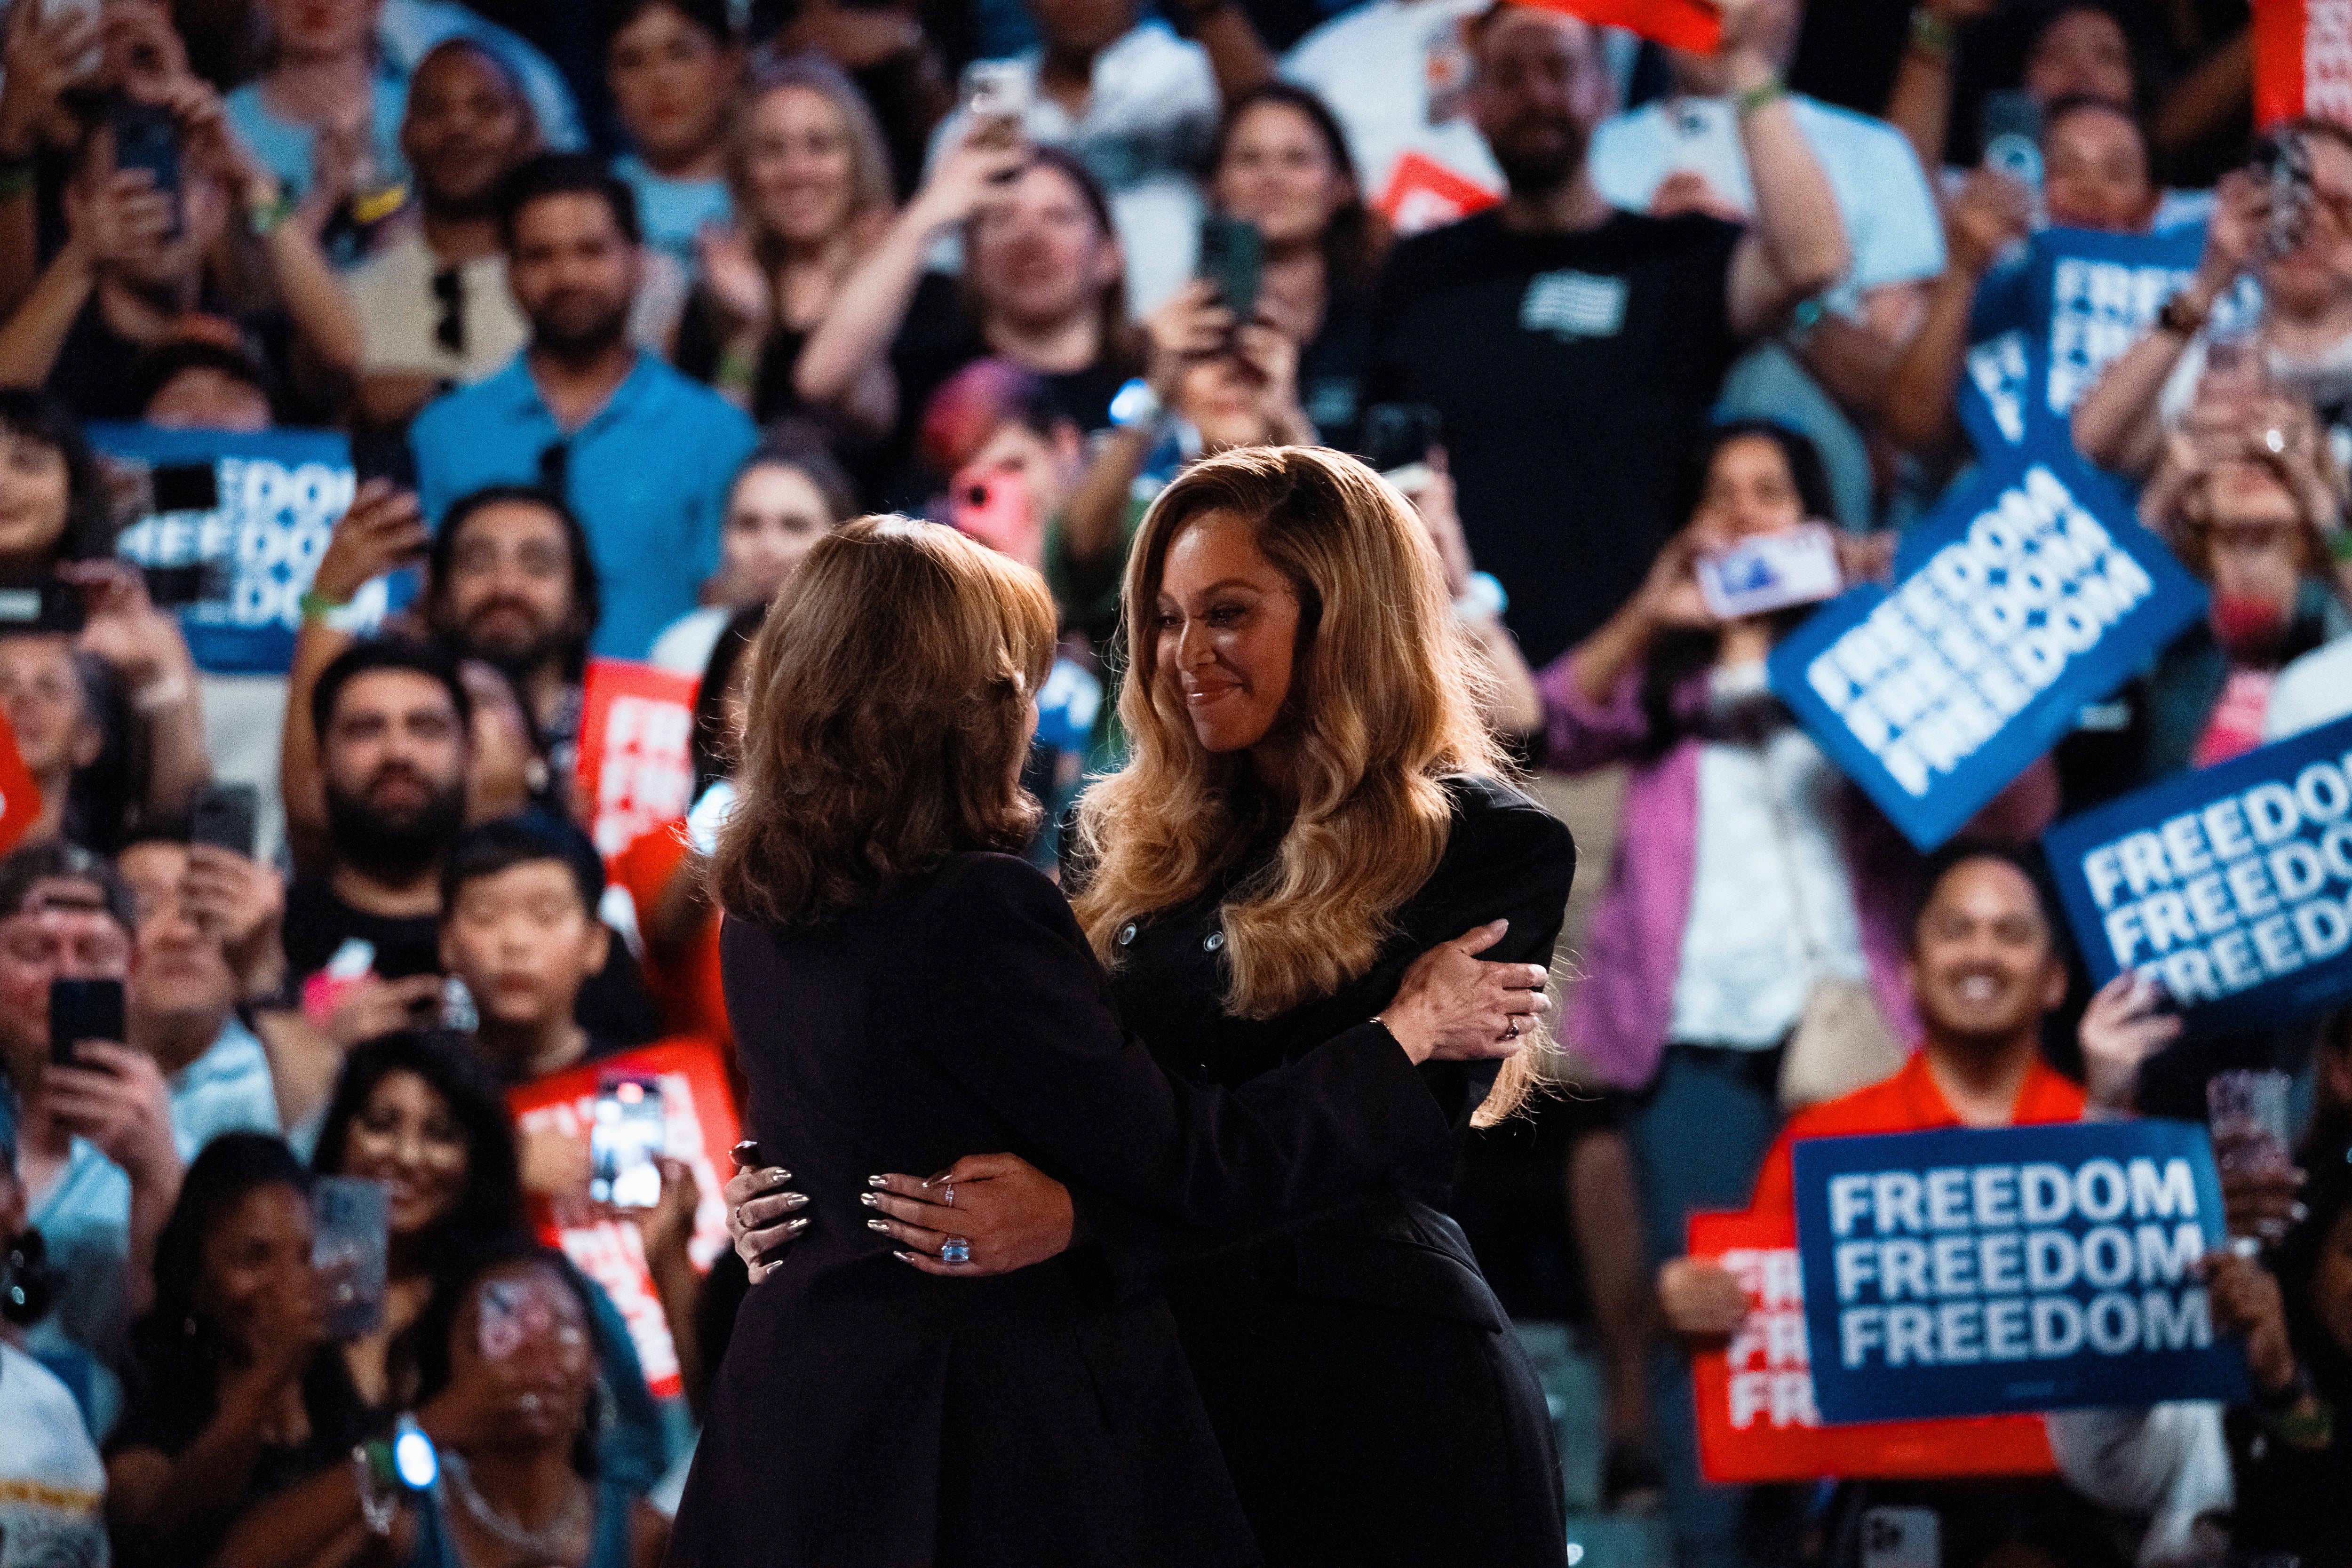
(285, 146)
(672, 211)
(85, 1218)
(1881, 196)
(227, 1090)
(648, 475)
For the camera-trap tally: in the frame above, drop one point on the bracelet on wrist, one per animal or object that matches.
(1932, 37)
(167, 691)
(1770, 91)
(267, 211)
(317, 606)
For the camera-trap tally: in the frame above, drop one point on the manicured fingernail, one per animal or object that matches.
(778, 1175)
(903, 1257)
(873, 1181)
(798, 1225)
(878, 1225)
(795, 1200)
(869, 1200)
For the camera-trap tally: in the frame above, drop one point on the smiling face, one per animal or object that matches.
(524, 1315)
(509, 598)
(1749, 491)
(1039, 258)
(1278, 172)
(468, 125)
(1227, 634)
(406, 1138)
(800, 165)
(1983, 966)
(2094, 172)
(35, 490)
(259, 1249)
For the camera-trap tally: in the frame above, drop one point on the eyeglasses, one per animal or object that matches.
(449, 290)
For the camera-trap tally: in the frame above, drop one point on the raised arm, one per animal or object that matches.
(43, 45)
(1920, 106)
(383, 531)
(1797, 246)
(854, 338)
(1919, 413)
(2117, 424)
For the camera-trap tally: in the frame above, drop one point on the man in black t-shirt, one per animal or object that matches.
(1573, 351)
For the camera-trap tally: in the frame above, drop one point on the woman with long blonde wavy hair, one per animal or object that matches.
(1310, 802)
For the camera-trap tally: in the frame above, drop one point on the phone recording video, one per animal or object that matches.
(147, 136)
(41, 606)
(626, 1135)
(996, 97)
(1770, 572)
(83, 1010)
(225, 817)
(1232, 256)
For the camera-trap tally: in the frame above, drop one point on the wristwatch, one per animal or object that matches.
(1136, 407)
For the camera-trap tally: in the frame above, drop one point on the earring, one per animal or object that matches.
(25, 1286)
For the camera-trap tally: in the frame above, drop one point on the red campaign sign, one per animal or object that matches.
(1678, 23)
(2303, 60)
(637, 762)
(1756, 1415)
(699, 1124)
(1423, 194)
(20, 797)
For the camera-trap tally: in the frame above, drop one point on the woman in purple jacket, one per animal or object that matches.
(1747, 870)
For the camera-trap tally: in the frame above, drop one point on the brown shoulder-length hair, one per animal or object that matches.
(888, 717)
(1383, 706)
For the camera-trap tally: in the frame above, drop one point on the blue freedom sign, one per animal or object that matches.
(1995, 394)
(253, 513)
(2029, 593)
(1995, 1271)
(2232, 884)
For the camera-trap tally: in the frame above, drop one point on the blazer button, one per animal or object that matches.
(1213, 941)
(1127, 933)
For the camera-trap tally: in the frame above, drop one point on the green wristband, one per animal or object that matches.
(317, 606)
(1762, 94)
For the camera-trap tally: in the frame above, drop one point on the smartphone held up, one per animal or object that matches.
(627, 1136)
(1770, 572)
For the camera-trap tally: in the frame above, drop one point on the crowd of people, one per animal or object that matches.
(611, 313)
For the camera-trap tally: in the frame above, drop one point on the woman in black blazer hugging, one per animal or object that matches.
(1310, 802)
(903, 990)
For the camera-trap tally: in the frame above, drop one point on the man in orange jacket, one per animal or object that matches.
(1985, 965)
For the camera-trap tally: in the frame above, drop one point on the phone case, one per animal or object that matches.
(351, 1238)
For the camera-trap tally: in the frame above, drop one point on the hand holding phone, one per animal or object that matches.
(626, 1135)
(83, 1010)
(1232, 256)
(350, 1247)
(996, 97)
(1770, 572)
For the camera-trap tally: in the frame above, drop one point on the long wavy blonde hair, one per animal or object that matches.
(1384, 707)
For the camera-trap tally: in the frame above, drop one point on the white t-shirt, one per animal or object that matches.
(52, 1485)
(686, 643)
(1397, 75)
(1881, 195)
(1771, 906)
(2315, 689)
(1150, 113)
(400, 313)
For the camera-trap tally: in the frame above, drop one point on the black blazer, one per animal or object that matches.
(1507, 857)
(868, 1414)
(1372, 1405)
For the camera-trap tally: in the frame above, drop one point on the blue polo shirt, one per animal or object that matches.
(648, 475)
